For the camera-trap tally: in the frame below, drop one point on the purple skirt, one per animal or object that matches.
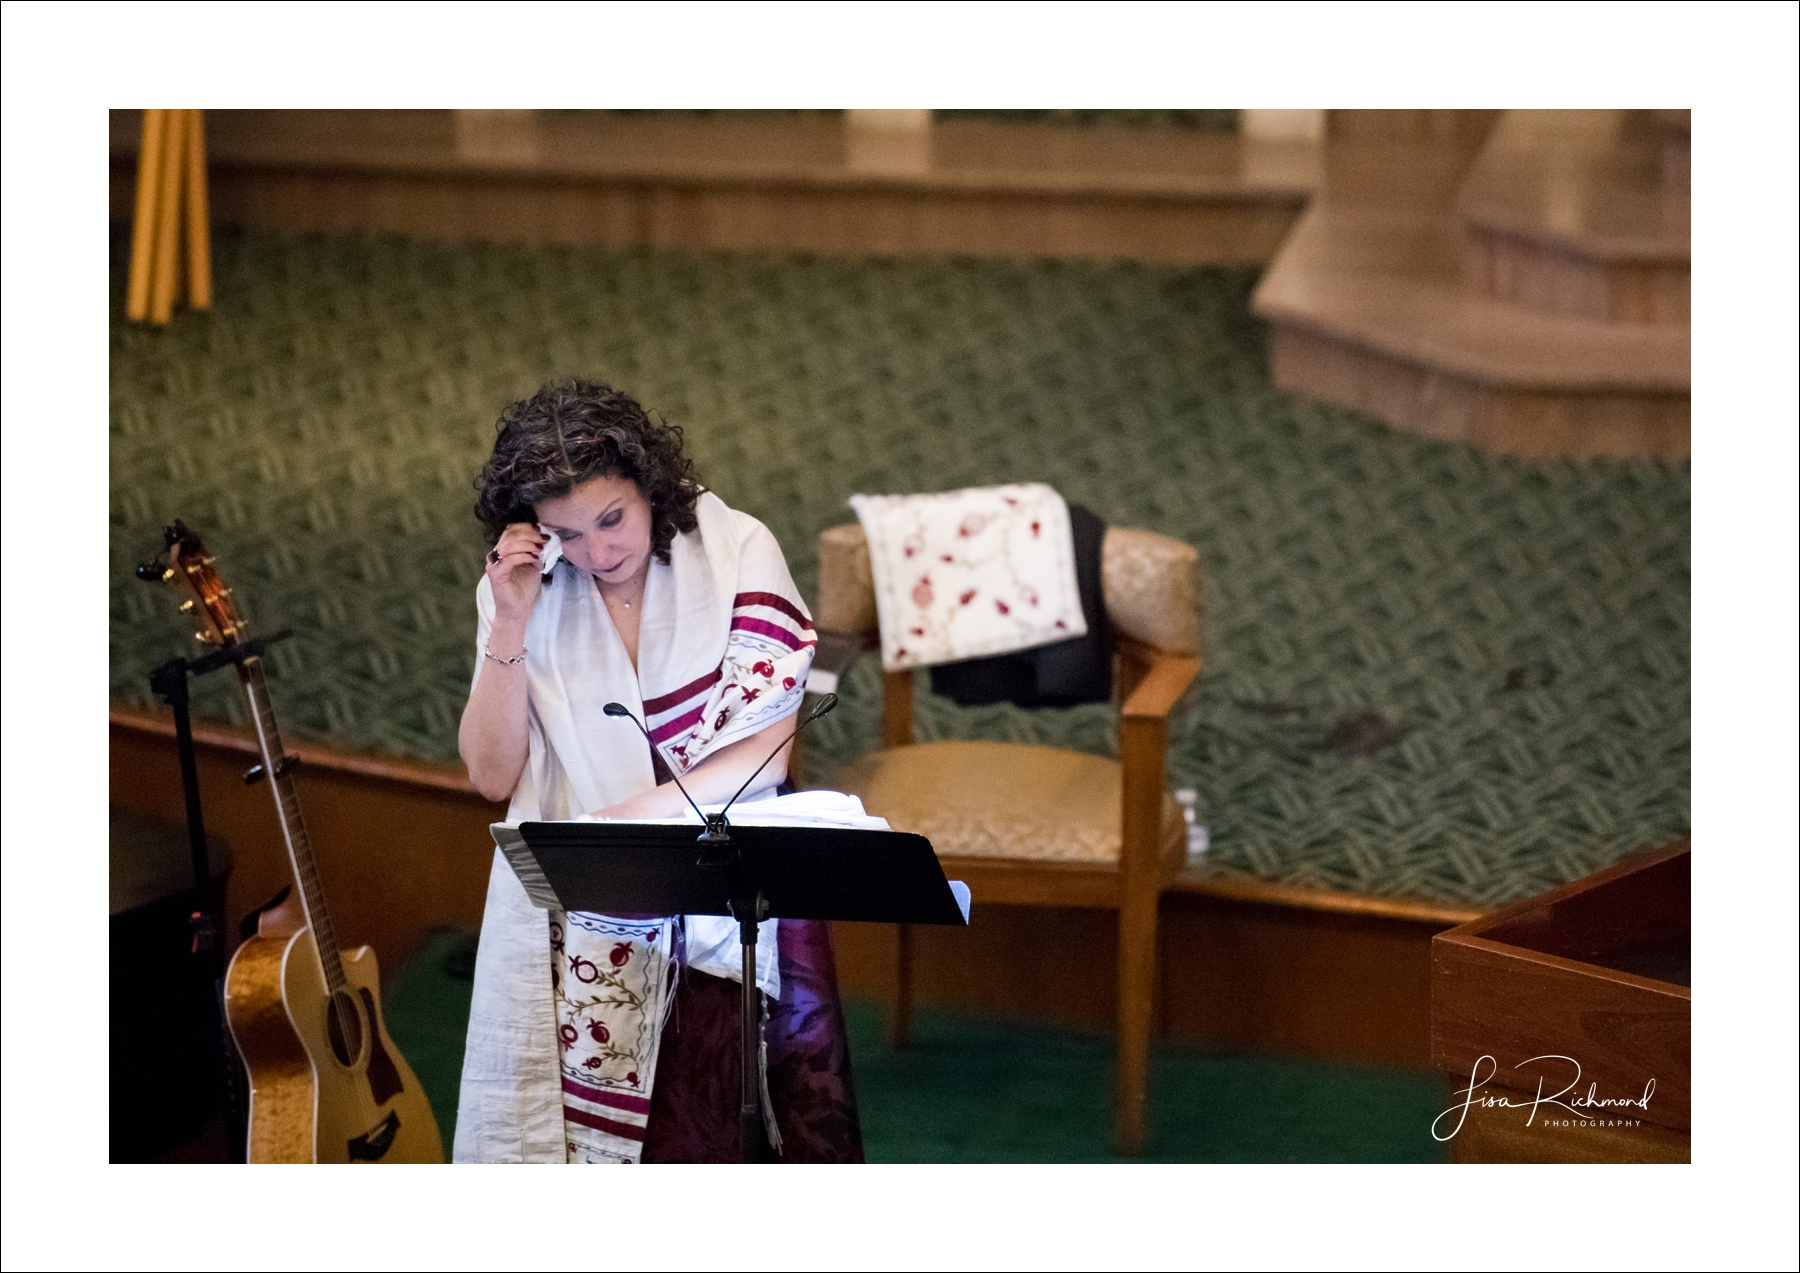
(694, 1103)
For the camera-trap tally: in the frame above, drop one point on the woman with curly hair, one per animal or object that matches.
(615, 576)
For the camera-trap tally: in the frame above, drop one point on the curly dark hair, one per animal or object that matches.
(573, 430)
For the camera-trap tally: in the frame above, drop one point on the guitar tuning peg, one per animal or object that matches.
(187, 605)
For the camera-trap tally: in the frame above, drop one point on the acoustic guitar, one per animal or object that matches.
(327, 1084)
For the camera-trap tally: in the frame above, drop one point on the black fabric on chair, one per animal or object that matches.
(1062, 674)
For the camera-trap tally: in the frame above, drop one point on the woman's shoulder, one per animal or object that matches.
(739, 546)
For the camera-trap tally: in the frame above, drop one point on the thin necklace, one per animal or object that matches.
(626, 604)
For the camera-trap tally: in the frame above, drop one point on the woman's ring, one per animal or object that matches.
(494, 556)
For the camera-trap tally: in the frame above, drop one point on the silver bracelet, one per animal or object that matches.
(517, 658)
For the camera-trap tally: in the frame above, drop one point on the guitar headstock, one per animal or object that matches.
(190, 566)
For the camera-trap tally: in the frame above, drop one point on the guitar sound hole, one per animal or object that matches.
(344, 1025)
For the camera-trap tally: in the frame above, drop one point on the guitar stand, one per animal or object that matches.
(170, 683)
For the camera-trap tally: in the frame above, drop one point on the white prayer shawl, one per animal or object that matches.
(963, 574)
(724, 644)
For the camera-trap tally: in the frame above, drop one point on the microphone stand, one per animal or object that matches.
(749, 907)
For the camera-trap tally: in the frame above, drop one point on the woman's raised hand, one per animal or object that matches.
(514, 570)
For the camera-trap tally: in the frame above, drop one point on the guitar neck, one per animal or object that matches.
(276, 767)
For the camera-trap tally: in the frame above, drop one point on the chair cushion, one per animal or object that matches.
(1002, 800)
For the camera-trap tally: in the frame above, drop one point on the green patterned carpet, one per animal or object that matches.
(1430, 674)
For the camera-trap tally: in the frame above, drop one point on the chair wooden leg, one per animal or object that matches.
(900, 1012)
(897, 709)
(1137, 994)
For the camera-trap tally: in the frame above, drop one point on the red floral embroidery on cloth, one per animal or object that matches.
(1009, 547)
(760, 680)
(612, 980)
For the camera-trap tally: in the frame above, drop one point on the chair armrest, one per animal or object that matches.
(1143, 759)
(1161, 687)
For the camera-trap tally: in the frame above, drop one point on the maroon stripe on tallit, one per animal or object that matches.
(774, 631)
(622, 1100)
(668, 729)
(675, 698)
(625, 1131)
(774, 601)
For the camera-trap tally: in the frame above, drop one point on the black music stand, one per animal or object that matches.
(751, 873)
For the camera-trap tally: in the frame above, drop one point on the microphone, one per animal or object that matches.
(619, 709)
(715, 823)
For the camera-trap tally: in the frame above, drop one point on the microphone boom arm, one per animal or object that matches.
(825, 704)
(716, 832)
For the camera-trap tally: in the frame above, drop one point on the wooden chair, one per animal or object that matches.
(1029, 825)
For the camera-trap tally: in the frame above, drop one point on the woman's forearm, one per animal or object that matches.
(493, 739)
(715, 779)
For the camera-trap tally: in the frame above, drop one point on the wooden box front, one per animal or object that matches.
(1578, 998)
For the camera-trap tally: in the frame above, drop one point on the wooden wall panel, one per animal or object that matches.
(871, 219)
(397, 859)
(1231, 974)
(1502, 1135)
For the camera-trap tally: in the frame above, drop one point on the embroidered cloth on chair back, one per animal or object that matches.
(1078, 670)
(963, 574)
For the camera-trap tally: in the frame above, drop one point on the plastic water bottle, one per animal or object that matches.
(1197, 841)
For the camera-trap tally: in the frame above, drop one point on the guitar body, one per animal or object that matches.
(307, 1104)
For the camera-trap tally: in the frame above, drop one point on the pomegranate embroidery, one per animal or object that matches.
(609, 1018)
